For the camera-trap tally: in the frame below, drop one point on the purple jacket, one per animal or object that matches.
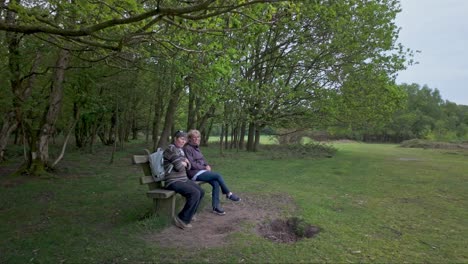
(196, 158)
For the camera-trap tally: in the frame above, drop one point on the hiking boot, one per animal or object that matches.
(181, 224)
(233, 197)
(218, 211)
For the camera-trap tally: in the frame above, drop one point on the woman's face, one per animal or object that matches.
(180, 142)
(195, 139)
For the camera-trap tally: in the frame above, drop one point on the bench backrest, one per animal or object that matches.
(145, 166)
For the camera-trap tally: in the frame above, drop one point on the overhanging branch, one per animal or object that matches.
(160, 11)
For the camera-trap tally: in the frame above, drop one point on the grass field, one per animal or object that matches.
(374, 203)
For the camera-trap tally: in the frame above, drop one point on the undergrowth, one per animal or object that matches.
(308, 150)
(421, 143)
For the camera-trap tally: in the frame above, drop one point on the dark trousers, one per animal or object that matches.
(193, 195)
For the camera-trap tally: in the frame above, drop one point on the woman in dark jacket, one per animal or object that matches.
(177, 180)
(200, 170)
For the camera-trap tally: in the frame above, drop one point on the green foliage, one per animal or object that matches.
(367, 102)
(322, 71)
(405, 112)
(427, 116)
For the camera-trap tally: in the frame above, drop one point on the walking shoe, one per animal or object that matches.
(194, 218)
(233, 197)
(218, 211)
(181, 224)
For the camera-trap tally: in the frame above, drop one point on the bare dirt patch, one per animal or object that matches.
(288, 230)
(212, 230)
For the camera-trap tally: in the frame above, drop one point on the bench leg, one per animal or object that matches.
(165, 207)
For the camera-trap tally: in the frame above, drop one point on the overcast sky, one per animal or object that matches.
(439, 29)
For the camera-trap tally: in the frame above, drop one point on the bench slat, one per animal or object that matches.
(160, 193)
(149, 179)
(146, 179)
(139, 159)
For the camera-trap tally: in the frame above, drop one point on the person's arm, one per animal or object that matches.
(196, 163)
(171, 156)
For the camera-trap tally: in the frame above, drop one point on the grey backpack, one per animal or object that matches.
(156, 161)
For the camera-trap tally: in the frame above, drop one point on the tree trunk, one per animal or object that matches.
(10, 123)
(191, 114)
(52, 113)
(134, 125)
(257, 140)
(242, 135)
(65, 143)
(11, 118)
(250, 137)
(169, 119)
(202, 121)
(79, 141)
(226, 135)
(147, 126)
(234, 137)
(94, 133)
(221, 137)
(158, 113)
(206, 134)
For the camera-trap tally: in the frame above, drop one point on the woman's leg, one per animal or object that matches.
(213, 180)
(193, 195)
(213, 176)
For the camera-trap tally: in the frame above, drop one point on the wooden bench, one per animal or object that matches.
(164, 200)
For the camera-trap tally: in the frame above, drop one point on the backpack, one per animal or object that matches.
(156, 161)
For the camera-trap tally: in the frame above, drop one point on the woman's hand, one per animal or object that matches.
(186, 162)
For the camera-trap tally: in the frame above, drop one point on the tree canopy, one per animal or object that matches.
(107, 70)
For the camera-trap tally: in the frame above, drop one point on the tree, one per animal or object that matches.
(81, 27)
(243, 64)
(335, 47)
(426, 116)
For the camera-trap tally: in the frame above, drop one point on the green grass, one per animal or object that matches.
(374, 202)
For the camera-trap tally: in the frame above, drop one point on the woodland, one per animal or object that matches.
(106, 72)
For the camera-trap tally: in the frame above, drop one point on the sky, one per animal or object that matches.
(439, 30)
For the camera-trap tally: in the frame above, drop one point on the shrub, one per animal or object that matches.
(420, 143)
(308, 150)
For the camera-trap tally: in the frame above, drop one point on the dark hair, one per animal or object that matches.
(180, 133)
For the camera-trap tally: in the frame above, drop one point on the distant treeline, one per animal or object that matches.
(423, 114)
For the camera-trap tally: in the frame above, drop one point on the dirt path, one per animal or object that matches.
(211, 230)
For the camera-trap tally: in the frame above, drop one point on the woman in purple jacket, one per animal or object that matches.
(200, 170)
